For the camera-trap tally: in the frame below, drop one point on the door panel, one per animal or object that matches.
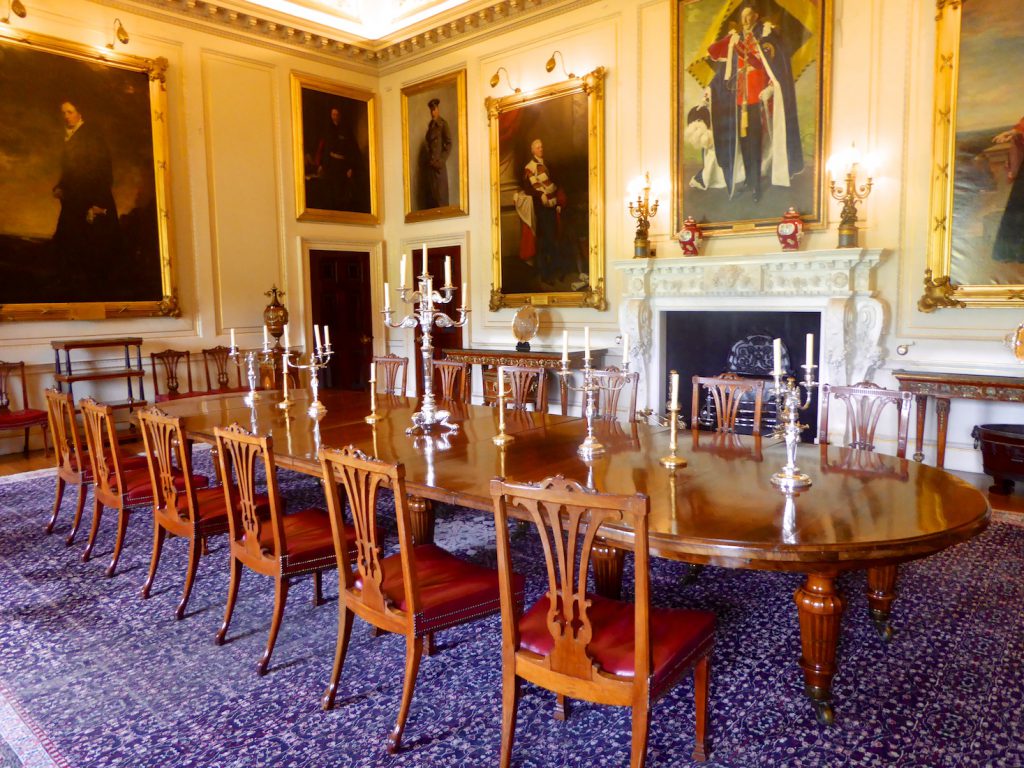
(340, 288)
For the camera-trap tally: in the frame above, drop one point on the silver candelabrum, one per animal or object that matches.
(789, 402)
(591, 446)
(251, 371)
(318, 360)
(426, 316)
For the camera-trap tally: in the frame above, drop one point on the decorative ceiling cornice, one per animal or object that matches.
(451, 30)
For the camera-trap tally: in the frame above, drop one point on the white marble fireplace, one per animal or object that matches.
(837, 283)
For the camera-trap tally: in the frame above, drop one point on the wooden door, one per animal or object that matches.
(340, 288)
(443, 338)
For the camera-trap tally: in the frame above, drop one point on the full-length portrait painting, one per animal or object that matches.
(435, 159)
(335, 151)
(751, 84)
(83, 224)
(547, 168)
(977, 205)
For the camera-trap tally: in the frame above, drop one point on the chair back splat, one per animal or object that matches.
(727, 392)
(865, 403)
(526, 387)
(392, 370)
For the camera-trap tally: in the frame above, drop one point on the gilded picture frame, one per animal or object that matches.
(335, 151)
(547, 211)
(729, 173)
(83, 228)
(976, 217)
(434, 148)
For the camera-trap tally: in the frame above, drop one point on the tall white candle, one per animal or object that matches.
(777, 350)
(674, 390)
(625, 345)
(284, 371)
(327, 337)
(316, 337)
(810, 349)
(401, 272)
(447, 270)
(586, 342)
(565, 347)
(387, 297)
(266, 339)
(465, 296)
(373, 373)
(424, 258)
(233, 339)
(286, 344)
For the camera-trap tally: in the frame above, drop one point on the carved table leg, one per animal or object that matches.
(421, 513)
(820, 608)
(942, 411)
(607, 561)
(922, 411)
(881, 593)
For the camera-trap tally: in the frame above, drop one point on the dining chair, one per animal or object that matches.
(727, 392)
(218, 360)
(118, 483)
(526, 386)
(179, 507)
(279, 544)
(25, 417)
(415, 592)
(611, 382)
(453, 377)
(392, 370)
(165, 368)
(577, 643)
(865, 403)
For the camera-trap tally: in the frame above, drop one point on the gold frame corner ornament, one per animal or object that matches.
(938, 293)
(302, 212)
(459, 207)
(592, 296)
(156, 71)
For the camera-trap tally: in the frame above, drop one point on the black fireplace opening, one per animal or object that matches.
(701, 343)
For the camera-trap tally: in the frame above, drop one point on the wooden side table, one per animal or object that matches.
(944, 387)
(490, 359)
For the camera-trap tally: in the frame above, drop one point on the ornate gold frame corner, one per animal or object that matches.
(593, 296)
(461, 207)
(156, 70)
(302, 211)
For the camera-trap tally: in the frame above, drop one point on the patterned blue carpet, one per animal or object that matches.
(109, 680)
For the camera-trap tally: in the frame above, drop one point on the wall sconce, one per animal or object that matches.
(643, 211)
(848, 193)
(120, 34)
(495, 79)
(550, 64)
(17, 8)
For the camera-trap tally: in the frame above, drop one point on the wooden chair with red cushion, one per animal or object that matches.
(118, 484)
(392, 371)
(191, 512)
(453, 378)
(579, 644)
(415, 592)
(865, 403)
(25, 417)
(282, 546)
(727, 392)
(611, 383)
(526, 387)
(219, 360)
(165, 367)
(73, 462)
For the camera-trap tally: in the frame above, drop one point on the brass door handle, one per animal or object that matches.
(364, 339)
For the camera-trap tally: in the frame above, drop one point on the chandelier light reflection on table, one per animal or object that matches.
(426, 316)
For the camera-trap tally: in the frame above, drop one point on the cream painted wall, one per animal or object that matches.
(233, 186)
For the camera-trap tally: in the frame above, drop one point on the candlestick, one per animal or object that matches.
(373, 418)
(810, 349)
(501, 438)
(565, 347)
(788, 404)
(777, 352)
(319, 358)
(286, 401)
(672, 461)
(401, 272)
(590, 447)
(387, 297)
(447, 271)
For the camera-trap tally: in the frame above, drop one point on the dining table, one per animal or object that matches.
(863, 511)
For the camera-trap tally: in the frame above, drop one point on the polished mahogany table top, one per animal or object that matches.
(862, 510)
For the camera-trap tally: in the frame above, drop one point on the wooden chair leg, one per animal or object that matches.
(429, 646)
(83, 490)
(641, 727)
(159, 534)
(122, 529)
(413, 654)
(206, 546)
(345, 617)
(318, 592)
(562, 708)
(235, 579)
(701, 680)
(280, 598)
(194, 553)
(46, 445)
(24, 450)
(510, 692)
(97, 513)
(377, 632)
(58, 498)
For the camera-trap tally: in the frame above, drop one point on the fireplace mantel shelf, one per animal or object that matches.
(839, 283)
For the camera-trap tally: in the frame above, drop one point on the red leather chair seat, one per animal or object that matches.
(452, 590)
(676, 634)
(213, 506)
(308, 538)
(27, 417)
(128, 463)
(138, 489)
